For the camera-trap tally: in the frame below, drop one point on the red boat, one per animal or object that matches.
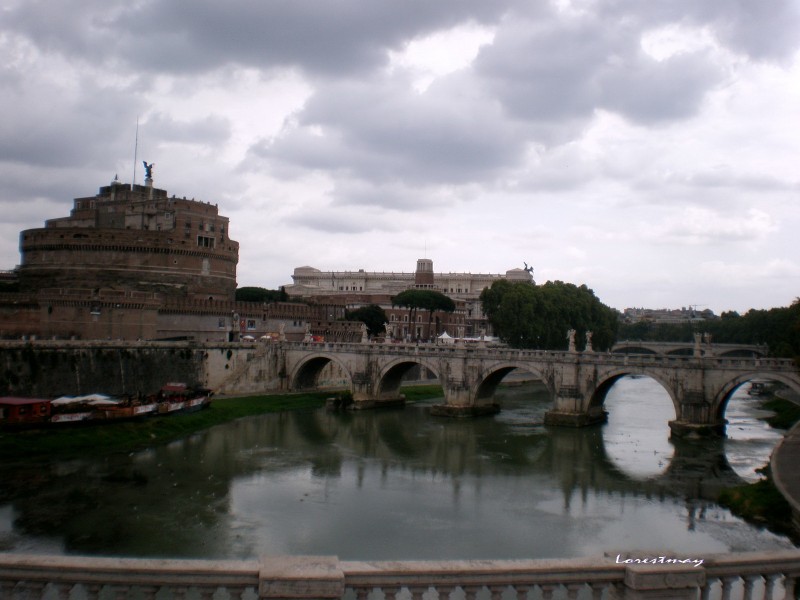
(16, 412)
(24, 411)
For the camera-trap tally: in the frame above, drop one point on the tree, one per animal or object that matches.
(372, 315)
(259, 294)
(531, 316)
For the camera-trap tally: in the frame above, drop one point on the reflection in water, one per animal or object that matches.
(394, 484)
(637, 432)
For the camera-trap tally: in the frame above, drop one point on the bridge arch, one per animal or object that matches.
(306, 373)
(726, 391)
(607, 379)
(632, 348)
(390, 377)
(491, 377)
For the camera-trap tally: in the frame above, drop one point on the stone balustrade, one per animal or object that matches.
(749, 576)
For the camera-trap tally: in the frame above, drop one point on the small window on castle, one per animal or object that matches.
(205, 242)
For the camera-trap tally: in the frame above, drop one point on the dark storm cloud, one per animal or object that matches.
(172, 36)
(564, 70)
(46, 124)
(385, 131)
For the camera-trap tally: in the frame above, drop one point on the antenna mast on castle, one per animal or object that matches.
(135, 151)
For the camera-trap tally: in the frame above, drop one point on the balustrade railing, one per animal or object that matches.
(747, 576)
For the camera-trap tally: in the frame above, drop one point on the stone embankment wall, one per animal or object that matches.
(51, 369)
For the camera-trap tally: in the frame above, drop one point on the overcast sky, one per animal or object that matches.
(650, 150)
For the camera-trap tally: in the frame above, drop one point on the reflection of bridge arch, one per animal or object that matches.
(609, 378)
(307, 371)
(391, 375)
(727, 389)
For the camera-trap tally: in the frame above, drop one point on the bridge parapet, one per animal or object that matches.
(757, 576)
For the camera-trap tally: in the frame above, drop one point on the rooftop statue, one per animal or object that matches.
(148, 169)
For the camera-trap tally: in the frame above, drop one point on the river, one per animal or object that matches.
(400, 484)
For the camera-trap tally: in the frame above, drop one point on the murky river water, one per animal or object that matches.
(400, 484)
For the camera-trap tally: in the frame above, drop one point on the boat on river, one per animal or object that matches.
(18, 412)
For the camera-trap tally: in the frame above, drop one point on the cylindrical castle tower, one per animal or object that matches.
(133, 238)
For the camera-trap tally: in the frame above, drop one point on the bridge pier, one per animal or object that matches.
(365, 396)
(558, 418)
(461, 401)
(686, 430)
(695, 417)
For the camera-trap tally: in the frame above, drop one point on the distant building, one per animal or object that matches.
(667, 315)
(359, 288)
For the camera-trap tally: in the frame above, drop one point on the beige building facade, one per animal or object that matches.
(361, 287)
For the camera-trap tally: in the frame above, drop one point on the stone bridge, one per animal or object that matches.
(689, 349)
(699, 386)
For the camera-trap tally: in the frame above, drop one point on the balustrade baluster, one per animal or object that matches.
(707, 588)
(25, 590)
(749, 584)
(496, 592)
(727, 584)
(788, 587)
(416, 592)
(769, 586)
(470, 591)
(522, 591)
(206, 593)
(147, 592)
(54, 591)
(547, 591)
(390, 593)
(444, 591)
(597, 590)
(248, 594)
(573, 589)
(362, 593)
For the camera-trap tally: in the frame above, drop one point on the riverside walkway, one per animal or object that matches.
(785, 466)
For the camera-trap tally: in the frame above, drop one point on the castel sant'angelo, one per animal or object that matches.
(134, 263)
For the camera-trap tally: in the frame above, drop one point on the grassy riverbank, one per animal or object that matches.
(135, 435)
(761, 502)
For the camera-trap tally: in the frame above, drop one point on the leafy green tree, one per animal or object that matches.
(259, 294)
(372, 315)
(531, 316)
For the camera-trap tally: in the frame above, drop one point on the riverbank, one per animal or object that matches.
(761, 503)
(136, 435)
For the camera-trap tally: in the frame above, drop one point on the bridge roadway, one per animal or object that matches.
(699, 386)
